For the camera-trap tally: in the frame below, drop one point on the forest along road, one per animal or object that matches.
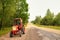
(34, 33)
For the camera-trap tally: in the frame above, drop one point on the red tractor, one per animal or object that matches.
(17, 28)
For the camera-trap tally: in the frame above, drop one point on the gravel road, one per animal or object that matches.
(33, 33)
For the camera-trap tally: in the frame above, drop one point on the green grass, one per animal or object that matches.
(53, 27)
(4, 31)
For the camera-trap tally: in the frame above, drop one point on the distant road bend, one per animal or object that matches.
(34, 33)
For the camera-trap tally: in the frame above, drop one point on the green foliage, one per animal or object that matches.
(57, 20)
(22, 10)
(48, 19)
(10, 9)
(33, 22)
(37, 20)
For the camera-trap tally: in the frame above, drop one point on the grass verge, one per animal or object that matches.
(53, 27)
(4, 30)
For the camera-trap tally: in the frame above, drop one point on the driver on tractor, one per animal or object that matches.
(20, 25)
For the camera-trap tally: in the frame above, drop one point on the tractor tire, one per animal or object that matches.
(11, 35)
(20, 33)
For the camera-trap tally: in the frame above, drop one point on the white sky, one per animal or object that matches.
(39, 7)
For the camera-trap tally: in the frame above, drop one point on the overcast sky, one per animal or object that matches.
(39, 7)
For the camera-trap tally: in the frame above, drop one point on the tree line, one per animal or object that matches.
(48, 19)
(10, 9)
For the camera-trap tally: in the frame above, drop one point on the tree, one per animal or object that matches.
(57, 20)
(22, 10)
(10, 9)
(0, 13)
(37, 20)
(48, 19)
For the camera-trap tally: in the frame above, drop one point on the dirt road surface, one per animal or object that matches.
(35, 33)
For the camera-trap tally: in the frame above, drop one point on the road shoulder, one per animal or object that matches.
(49, 29)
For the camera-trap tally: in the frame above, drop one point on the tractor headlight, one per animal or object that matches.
(13, 28)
